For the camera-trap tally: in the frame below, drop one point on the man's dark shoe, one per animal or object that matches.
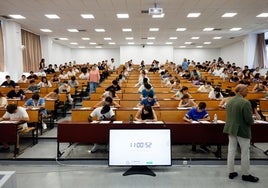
(204, 149)
(233, 175)
(250, 178)
(2, 149)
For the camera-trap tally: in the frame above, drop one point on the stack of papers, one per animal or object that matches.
(260, 121)
(205, 122)
(117, 121)
(104, 122)
(154, 122)
(184, 108)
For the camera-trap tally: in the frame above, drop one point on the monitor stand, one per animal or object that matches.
(144, 170)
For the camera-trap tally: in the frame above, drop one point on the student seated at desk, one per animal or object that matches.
(198, 114)
(186, 102)
(37, 102)
(3, 101)
(226, 99)
(146, 91)
(104, 113)
(146, 113)
(180, 93)
(16, 93)
(15, 113)
(149, 101)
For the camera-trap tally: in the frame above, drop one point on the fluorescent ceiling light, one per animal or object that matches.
(16, 16)
(182, 46)
(169, 43)
(73, 30)
(52, 16)
(195, 38)
(262, 15)
(93, 43)
(188, 43)
(131, 43)
(126, 29)
(63, 39)
(207, 43)
(229, 15)
(193, 15)
(46, 30)
(181, 29)
(199, 46)
(236, 29)
(151, 38)
(74, 43)
(129, 38)
(217, 38)
(154, 29)
(107, 38)
(158, 15)
(100, 30)
(173, 38)
(87, 16)
(122, 15)
(85, 38)
(208, 29)
(112, 43)
(150, 43)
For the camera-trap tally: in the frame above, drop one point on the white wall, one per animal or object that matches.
(59, 54)
(234, 53)
(148, 54)
(95, 55)
(198, 55)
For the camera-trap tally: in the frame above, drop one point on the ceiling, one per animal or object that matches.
(175, 17)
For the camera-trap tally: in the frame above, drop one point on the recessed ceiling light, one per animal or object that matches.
(126, 29)
(107, 38)
(122, 15)
(217, 38)
(188, 43)
(52, 16)
(85, 38)
(111, 43)
(229, 15)
(74, 43)
(207, 43)
(182, 46)
(158, 15)
(129, 38)
(208, 29)
(17, 16)
(93, 43)
(199, 46)
(181, 29)
(63, 39)
(195, 38)
(46, 30)
(150, 43)
(100, 30)
(236, 29)
(193, 15)
(262, 15)
(73, 30)
(151, 38)
(87, 16)
(154, 29)
(131, 43)
(81, 47)
(173, 38)
(169, 43)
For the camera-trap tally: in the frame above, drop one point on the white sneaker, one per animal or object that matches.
(44, 126)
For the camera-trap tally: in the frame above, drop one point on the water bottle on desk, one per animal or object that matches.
(21, 97)
(131, 118)
(215, 120)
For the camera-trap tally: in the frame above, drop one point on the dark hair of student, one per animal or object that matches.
(106, 108)
(149, 115)
(35, 96)
(11, 108)
(109, 100)
(202, 105)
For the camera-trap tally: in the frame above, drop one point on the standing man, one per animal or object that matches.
(238, 126)
(185, 64)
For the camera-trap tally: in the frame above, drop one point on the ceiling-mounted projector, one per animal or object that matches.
(155, 11)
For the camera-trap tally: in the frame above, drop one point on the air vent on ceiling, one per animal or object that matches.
(82, 30)
(217, 29)
(56, 39)
(144, 38)
(231, 38)
(5, 17)
(145, 11)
